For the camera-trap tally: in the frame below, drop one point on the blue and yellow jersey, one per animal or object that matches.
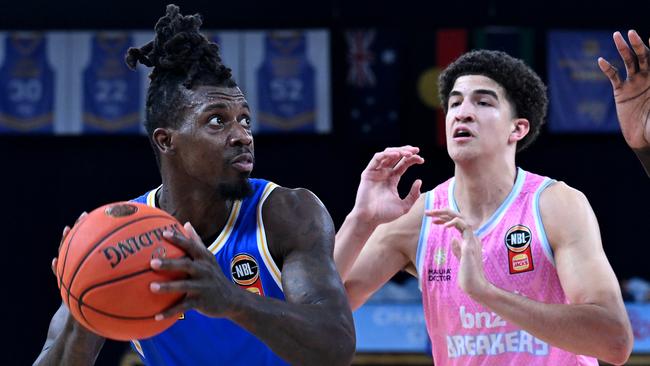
(243, 255)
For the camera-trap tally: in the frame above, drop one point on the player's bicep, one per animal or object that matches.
(572, 228)
(301, 232)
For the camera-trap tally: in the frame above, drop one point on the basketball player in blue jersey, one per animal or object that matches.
(632, 95)
(262, 287)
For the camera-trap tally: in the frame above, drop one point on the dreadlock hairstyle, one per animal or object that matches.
(181, 57)
(524, 89)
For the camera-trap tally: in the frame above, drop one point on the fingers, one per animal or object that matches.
(642, 52)
(414, 193)
(53, 266)
(173, 311)
(443, 215)
(629, 59)
(610, 71)
(459, 224)
(406, 162)
(66, 231)
(184, 264)
(391, 156)
(191, 245)
(81, 217)
(188, 286)
(455, 248)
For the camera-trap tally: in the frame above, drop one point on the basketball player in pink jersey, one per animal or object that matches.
(632, 95)
(510, 263)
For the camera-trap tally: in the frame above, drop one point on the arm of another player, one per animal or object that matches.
(391, 247)
(68, 343)
(314, 325)
(632, 95)
(595, 322)
(377, 202)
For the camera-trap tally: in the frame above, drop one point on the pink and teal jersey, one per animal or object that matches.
(517, 257)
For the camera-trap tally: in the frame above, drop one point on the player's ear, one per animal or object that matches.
(162, 139)
(520, 128)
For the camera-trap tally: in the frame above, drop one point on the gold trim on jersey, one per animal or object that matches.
(262, 245)
(227, 230)
(151, 197)
(225, 233)
(138, 347)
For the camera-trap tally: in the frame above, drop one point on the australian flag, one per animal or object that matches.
(372, 92)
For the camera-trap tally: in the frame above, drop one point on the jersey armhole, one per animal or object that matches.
(424, 236)
(539, 225)
(262, 243)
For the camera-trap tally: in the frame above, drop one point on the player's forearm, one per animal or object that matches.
(350, 239)
(302, 334)
(73, 346)
(644, 157)
(588, 329)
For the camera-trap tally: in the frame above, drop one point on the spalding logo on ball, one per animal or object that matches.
(104, 270)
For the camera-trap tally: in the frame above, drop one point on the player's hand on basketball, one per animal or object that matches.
(378, 200)
(632, 95)
(207, 289)
(66, 231)
(468, 250)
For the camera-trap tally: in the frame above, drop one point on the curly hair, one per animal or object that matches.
(181, 57)
(523, 87)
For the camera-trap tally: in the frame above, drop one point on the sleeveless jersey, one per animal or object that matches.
(26, 85)
(517, 258)
(242, 253)
(286, 85)
(111, 92)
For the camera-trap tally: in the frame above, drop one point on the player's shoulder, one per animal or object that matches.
(293, 201)
(295, 218)
(565, 212)
(559, 196)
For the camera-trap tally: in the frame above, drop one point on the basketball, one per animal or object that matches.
(104, 271)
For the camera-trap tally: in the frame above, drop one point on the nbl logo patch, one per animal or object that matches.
(520, 257)
(246, 273)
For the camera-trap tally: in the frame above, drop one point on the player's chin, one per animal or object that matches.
(236, 189)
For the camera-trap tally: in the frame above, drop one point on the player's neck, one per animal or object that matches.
(204, 209)
(480, 188)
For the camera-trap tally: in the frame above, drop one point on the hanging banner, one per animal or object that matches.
(580, 95)
(287, 81)
(111, 91)
(26, 84)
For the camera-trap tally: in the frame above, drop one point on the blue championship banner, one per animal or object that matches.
(26, 85)
(391, 327)
(580, 95)
(111, 92)
(286, 85)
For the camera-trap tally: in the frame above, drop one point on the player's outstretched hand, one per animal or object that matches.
(632, 95)
(378, 200)
(468, 250)
(207, 289)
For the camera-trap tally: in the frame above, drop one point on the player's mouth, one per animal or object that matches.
(243, 162)
(462, 134)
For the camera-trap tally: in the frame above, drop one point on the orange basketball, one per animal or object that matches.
(104, 273)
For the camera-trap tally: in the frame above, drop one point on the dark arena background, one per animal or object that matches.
(376, 89)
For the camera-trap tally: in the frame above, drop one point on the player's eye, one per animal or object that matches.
(215, 121)
(245, 121)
